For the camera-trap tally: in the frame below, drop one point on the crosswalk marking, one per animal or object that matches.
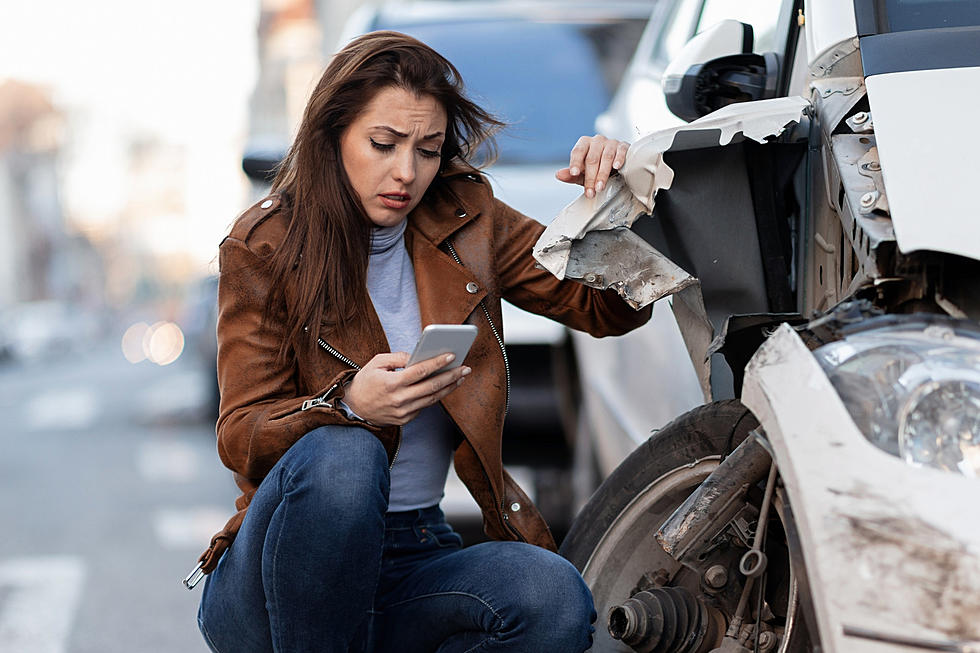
(40, 596)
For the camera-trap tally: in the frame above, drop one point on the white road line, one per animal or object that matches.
(71, 408)
(41, 596)
(188, 528)
(168, 460)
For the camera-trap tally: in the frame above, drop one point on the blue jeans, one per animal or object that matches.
(318, 565)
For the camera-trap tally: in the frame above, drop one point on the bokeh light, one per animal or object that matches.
(132, 342)
(163, 343)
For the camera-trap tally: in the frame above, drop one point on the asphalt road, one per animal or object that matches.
(109, 490)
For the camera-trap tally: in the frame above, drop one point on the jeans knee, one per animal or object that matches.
(344, 468)
(554, 602)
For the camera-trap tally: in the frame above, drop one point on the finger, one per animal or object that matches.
(592, 160)
(576, 160)
(389, 361)
(621, 151)
(427, 368)
(565, 175)
(432, 385)
(605, 167)
(435, 397)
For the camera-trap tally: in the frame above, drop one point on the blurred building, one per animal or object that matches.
(39, 258)
(290, 62)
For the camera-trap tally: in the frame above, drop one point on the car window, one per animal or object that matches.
(691, 17)
(762, 15)
(678, 30)
(547, 80)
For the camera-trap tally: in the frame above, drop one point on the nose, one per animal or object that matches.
(404, 167)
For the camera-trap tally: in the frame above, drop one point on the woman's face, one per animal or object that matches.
(391, 152)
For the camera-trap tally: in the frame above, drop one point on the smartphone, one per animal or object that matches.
(444, 339)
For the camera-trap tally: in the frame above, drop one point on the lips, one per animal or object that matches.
(395, 200)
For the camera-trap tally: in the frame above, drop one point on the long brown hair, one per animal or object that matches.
(323, 258)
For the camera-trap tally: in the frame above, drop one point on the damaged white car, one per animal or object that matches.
(815, 234)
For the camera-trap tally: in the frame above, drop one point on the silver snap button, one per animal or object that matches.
(460, 213)
(472, 288)
(266, 204)
(514, 507)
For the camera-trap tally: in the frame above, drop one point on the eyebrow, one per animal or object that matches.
(397, 133)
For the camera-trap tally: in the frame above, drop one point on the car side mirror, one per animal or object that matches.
(717, 68)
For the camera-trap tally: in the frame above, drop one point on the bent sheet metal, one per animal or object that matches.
(590, 240)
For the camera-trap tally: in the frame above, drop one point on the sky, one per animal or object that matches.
(175, 71)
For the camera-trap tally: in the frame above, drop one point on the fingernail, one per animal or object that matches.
(459, 383)
(589, 192)
(466, 370)
(575, 172)
(617, 163)
(598, 186)
(450, 358)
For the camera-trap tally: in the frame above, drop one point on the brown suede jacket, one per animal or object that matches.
(267, 406)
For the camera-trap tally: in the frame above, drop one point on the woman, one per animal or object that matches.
(378, 225)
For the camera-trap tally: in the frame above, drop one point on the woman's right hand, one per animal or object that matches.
(385, 395)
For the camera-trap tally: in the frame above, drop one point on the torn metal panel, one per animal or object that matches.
(638, 272)
(621, 260)
(697, 332)
(645, 170)
(613, 207)
(874, 530)
(632, 192)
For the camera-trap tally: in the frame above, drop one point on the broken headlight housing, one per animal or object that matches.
(913, 389)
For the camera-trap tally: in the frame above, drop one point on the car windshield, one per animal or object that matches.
(907, 15)
(547, 80)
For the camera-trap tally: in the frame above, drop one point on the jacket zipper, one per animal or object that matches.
(493, 328)
(346, 361)
(336, 354)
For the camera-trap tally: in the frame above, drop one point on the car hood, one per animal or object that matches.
(927, 136)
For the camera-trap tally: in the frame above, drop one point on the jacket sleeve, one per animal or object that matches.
(262, 412)
(597, 312)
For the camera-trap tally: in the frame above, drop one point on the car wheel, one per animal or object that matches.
(612, 540)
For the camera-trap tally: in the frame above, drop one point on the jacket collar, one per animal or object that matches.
(447, 210)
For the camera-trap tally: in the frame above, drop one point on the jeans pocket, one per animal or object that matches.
(440, 534)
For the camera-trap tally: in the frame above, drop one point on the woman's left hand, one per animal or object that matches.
(592, 161)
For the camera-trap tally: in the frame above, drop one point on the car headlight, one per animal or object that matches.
(913, 390)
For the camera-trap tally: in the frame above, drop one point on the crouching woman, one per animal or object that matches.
(378, 224)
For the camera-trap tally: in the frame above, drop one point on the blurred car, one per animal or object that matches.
(547, 69)
(38, 329)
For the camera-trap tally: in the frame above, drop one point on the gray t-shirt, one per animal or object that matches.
(418, 477)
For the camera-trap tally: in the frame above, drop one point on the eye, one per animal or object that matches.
(384, 147)
(430, 154)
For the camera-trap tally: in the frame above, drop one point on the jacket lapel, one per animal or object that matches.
(442, 284)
